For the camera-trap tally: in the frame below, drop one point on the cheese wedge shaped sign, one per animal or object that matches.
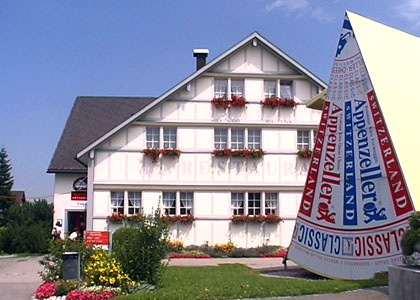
(355, 204)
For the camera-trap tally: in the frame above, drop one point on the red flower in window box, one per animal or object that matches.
(275, 102)
(153, 153)
(305, 153)
(222, 152)
(272, 219)
(220, 103)
(248, 153)
(187, 219)
(237, 219)
(115, 217)
(238, 101)
(171, 152)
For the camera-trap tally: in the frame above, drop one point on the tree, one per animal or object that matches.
(6, 178)
(6, 182)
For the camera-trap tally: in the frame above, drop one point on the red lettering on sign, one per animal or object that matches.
(94, 238)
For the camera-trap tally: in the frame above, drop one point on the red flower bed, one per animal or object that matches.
(176, 255)
(81, 295)
(238, 101)
(275, 102)
(277, 254)
(46, 290)
(220, 103)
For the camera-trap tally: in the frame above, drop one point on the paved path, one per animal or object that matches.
(19, 277)
(379, 293)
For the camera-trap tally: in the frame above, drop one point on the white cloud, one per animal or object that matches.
(410, 11)
(300, 7)
(289, 5)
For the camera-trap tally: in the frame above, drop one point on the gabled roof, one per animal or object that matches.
(91, 118)
(392, 59)
(195, 75)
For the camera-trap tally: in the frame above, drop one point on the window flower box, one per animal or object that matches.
(153, 153)
(248, 153)
(222, 152)
(276, 102)
(220, 103)
(305, 153)
(237, 101)
(269, 219)
(187, 219)
(244, 153)
(171, 152)
(117, 217)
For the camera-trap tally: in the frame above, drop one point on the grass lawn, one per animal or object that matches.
(238, 281)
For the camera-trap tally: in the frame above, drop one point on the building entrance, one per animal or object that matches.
(76, 220)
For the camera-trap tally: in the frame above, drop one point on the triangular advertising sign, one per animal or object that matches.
(355, 204)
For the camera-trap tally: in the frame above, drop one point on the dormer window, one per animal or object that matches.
(220, 89)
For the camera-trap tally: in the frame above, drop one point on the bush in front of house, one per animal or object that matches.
(27, 227)
(141, 246)
(410, 241)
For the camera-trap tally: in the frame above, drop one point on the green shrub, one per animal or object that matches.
(140, 248)
(65, 286)
(412, 236)
(28, 228)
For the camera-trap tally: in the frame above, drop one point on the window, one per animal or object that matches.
(186, 203)
(314, 134)
(220, 89)
(270, 89)
(134, 203)
(286, 90)
(169, 137)
(237, 203)
(237, 139)
(152, 137)
(303, 139)
(237, 88)
(254, 139)
(254, 204)
(117, 202)
(271, 203)
(169, 203)
(220, 138)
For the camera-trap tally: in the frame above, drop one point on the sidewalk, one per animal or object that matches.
(271, 264)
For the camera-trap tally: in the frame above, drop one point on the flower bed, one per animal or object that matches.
(271, 219)
(188, 219)
(304, 153)
(177, 255)
(244, 153)
(45, 291)
(281, 253)
(276, 102)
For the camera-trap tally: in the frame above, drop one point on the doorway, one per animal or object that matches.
(76, 220)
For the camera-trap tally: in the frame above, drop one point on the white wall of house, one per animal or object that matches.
(119, 164)
(63, 185)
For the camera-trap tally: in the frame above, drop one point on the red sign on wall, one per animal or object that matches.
(79, 195)
(94, 238)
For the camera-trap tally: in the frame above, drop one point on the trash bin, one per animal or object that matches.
(71, 265)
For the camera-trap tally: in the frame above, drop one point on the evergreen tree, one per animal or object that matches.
(6, 180)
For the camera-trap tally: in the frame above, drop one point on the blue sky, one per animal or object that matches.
(54, 51)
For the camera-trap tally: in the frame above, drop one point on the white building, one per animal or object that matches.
(104, 138)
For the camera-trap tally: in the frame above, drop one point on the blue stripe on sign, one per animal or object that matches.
(349, 208)
(347, 25)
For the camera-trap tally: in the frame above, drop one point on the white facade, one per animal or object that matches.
(117, 164)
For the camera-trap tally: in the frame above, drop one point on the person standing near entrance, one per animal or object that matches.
(74, 235)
